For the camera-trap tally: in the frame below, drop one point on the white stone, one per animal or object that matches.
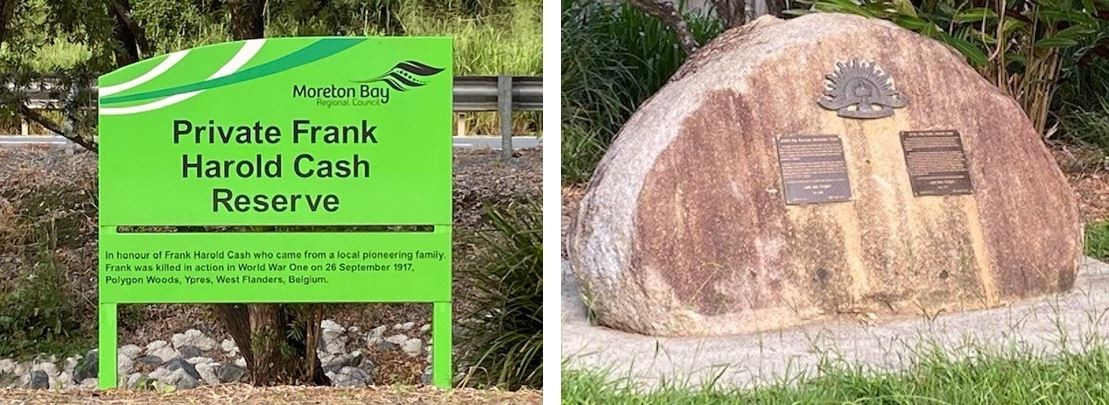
(426, 327)
(61, 382)
(155, 345)
(131, 351)
(165, 376)
(228, 345)
(161, 350)
(7, 366)
(50, 369)
(413, 346)
(124, 364)
(329, 325)
(378, 331)
(397, 339)
(241, 362)
(20, 369)
(193, 337)
(89, 383)
(131, 379)
(207, 373)
(71, 363)
(353, 329)
(199, 360)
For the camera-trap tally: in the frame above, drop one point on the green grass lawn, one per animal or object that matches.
(1010, 377)
(1097, 240)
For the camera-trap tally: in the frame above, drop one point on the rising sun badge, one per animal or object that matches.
(861, 90)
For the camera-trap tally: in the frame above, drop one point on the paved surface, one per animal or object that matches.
(475, 141)
(756, 359)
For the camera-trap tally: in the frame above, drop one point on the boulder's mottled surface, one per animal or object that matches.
(684, 230)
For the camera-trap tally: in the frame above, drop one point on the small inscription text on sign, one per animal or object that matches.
(936, 163)
(813, 169)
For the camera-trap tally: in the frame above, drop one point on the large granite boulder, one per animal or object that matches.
(685, 229)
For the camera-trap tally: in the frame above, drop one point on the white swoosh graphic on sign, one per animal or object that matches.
(249, 49)
(170, 60)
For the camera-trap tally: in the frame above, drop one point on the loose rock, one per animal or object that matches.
(162, 350)
(189, 351)
(88, 367)
(131, 351)
(413, 347)
(227, 373)
(351, 377)
(193, 337)
(207, 372)
(39, 380)
(684, 229)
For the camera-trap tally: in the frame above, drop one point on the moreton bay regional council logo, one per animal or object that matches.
(403, 76)
(862, 90)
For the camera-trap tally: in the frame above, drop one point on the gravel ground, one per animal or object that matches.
(245, 394)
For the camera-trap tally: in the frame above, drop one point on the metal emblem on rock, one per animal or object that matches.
(861, 90)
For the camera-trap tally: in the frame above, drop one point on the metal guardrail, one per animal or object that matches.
(471, 94)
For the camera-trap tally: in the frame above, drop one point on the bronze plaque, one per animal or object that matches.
(813, 169)
(936, 163)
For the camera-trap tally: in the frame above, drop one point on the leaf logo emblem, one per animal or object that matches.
(405, 75)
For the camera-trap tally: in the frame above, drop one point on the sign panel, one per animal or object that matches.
(813, 168)
(936, 163)
(262, 170)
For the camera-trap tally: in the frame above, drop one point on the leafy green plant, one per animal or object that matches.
(581, 150)
(503, 334)
(1019, 45)
(1087, 124)
(38, 314)
(614, 57)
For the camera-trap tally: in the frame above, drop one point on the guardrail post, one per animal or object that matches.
(504, 107)
(23, 127)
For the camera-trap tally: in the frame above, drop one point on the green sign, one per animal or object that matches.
(278, 170)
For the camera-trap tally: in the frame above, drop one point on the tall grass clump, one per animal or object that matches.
(500, 40)
(613, 58)
(39, 315)
(503, 334)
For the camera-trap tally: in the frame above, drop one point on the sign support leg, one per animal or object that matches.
(106, 354)
(441, 344)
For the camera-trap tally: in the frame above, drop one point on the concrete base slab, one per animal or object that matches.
(1044, 325)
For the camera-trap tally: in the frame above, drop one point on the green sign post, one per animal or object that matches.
(344, 142)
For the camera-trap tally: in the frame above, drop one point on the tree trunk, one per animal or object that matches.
(7, 11)
(247, 18)
(273, 354)
(732, 13)
(128, 33)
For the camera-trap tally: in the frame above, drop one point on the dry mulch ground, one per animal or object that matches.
(244, 394)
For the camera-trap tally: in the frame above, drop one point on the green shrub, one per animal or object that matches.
(1087, 125)
(503, 334)
(614, 57)
(39, 316)
(581, 150)
(1022, 50)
